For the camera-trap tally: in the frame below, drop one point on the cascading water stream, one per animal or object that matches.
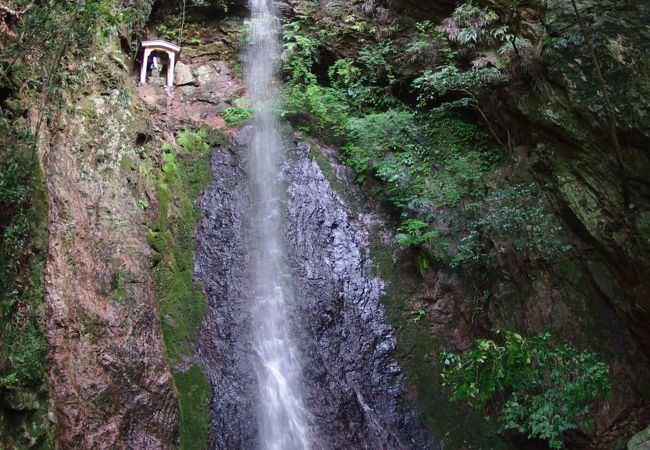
(283, 419)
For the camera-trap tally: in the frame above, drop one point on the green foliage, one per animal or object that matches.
(439, 161)
(421, 167)
(223, 5)
(434, 85)
(170, 33)
(316, 109)
(352, 85)
(236, 115)
(347, 77)
(477, 31)
(429, 46)
(356, 88)
(298, 54)
(465, 155)
(545, 387)
(23, 247)
(192, 142)
(386, 145)
(513, 43)
(376, 58)
(518, 214)
(425, 164)
(419, 316)
(469, 25)
(169, 161)
(319, 110)
(414, 232)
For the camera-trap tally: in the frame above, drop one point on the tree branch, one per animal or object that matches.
(13, 12)
(613, 127)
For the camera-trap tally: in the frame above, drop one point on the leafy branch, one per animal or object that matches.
(449, 79)
(14, 12)
(543, 387)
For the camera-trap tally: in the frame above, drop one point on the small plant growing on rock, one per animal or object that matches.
(430, 47)
(414, 232)
(236, 115)
(421, 314)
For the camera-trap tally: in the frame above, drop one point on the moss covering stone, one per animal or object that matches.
(182, 303)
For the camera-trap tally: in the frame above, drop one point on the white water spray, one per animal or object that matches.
(282, 417)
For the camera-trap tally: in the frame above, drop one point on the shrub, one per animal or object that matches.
(376, 136)
(414, 232)
(343, 74)
(353, 85)
(518, 214)
(469, 25)
(316, 109)
(434, 85)
(424, 163)
(430, 47)
(543, 387)
(236, 115)
(298, 54)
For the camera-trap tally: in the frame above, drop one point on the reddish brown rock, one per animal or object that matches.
(109, 380)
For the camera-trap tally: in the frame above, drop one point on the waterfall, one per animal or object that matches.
(282, 417)
(294, 318)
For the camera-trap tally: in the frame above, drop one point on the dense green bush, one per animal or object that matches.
(414, 232)
(316, 109)
(298, 53)
(542, 387)
(517, 214)
(319, 110)
(433, 85)
(429, 46)
(350, 80)
(383, 141)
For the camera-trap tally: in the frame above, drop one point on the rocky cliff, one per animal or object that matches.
(108, 365)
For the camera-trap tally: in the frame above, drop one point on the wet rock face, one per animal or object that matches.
(221, 265)
(350, 372)
(352, 384)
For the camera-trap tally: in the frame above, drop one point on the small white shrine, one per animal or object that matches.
(159, 46)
